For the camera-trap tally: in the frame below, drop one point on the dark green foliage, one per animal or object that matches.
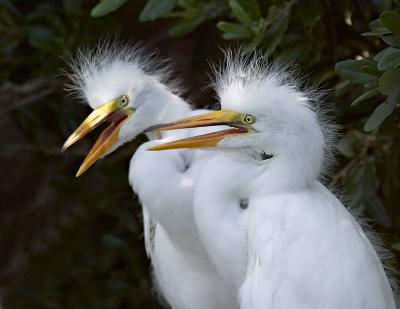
(64, 242)
(155, 9)
(381, 75)
(77, 243)
(106, 7)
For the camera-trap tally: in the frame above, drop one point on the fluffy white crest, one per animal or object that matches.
(112, 68)
(250, 82)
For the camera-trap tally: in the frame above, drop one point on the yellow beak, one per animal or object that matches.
(110, 111)
(218, 118)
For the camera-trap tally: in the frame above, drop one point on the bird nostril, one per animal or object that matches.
(244, 203)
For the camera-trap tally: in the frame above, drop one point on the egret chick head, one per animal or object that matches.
(249, 84)
(124, 84)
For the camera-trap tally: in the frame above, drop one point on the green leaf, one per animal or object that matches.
(106, 7)
(354, 70)
(185, 27)
(391, 40)
(251, 7)
(377, 25)
(273, 12)
(274, 40)
(391, 20)
(362, 180)
(234, 31)
(372, 84)
(380, 114)
(366, 95)
(190, 13)
(348, 144)
(353, 183)
(187, 4)
(342, 87)
(371, 70)
(373, 203)
(240, 13)
(389, 83)
(389, 60)
(277, 24)
(377, 28)
(256, 41)
(155, 9)
(383, 53)
(376, 33)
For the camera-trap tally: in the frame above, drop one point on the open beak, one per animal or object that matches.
(209, 140)
(108, 112)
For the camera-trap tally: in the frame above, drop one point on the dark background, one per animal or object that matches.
(69, 242)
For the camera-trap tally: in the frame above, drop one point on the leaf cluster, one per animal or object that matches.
(381, 74)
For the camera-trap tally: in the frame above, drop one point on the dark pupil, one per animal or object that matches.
(248, 119)
(244, 203)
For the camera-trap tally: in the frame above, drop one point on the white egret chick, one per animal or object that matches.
(132, 90)
(275, 233)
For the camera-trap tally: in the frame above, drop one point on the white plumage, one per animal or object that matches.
(183, 270)
(295, 245)
(164, 182)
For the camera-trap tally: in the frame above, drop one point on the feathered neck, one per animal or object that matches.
(171, 107)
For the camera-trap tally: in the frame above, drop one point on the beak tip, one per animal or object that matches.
(67, 144)
(80, 171)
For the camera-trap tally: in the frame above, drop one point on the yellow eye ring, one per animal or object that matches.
(249, 119)
(124, 100)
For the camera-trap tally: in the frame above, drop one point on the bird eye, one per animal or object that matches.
(249, 119)
(124, 100)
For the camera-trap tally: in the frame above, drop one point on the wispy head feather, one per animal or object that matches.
(240, 68)
(87, 61)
